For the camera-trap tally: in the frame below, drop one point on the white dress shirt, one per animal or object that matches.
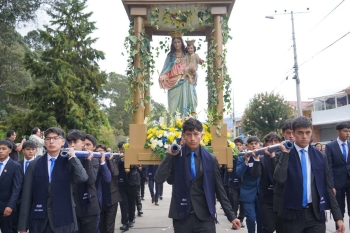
(24, 164)
(4, 164)
(49, 164)
(308, 170)
(340, 142)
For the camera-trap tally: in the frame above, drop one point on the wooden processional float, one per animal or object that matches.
(141, 13)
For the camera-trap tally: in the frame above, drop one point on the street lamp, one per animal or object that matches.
(296, 67)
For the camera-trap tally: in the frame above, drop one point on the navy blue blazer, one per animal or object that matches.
(338, 167)
(11, 181)
(250, 183)
(103, 174)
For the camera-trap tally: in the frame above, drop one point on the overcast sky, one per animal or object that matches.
(260, 55)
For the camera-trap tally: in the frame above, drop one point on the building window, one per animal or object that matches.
(318, 105)
(330, 103)
(341, 101)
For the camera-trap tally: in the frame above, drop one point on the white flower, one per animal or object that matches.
(166, 146)
(266, 121)
(261, 117)
(259, 106)
(165, 134)
(160, 143)
(161, 120)
(280, 118)
(153, 145)
(276, 120)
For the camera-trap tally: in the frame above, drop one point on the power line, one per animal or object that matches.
(326, 15)
(325, 48)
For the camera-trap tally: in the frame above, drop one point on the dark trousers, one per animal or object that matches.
(161, 189)
(340, 196)
(142, 186)
(15, 218)
(138, 200)
(151, 189)
(253, 214)
(236, 204)
(279, 224)
(88, 224)
(309, 225)
(48, 228)
(107, 219)
(5, 223)
(127, 206)
(268, 217)
(193, 224)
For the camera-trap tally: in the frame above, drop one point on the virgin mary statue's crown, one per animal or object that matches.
(176, 34)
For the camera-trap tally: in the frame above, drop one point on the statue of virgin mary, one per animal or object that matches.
(182, 96)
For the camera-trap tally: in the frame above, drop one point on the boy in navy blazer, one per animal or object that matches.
(250, 185)
(337, 153)
(11, 179)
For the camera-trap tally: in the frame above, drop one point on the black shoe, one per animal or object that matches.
(161, 198)
(130, 225)
(242, 224)
(133, 221)
(142, 198)
(124, 227)
(139, 213)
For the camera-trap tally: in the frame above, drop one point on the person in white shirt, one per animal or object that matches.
(37, 138)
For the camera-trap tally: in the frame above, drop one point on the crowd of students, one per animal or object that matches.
(286, 191)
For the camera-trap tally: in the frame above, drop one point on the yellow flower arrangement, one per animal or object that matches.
(160, 137)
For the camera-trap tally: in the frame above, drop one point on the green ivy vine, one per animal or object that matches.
(147, 66)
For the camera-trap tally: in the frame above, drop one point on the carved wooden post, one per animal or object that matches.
(138, 115)
(219, 143)
(137, 129)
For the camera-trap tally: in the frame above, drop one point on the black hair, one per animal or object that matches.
(6, 143)
(29, 144)
(253, 139)
(35, 130)
(75, 135)
(342, 125)
(287, 124)
(10, 133)
(317, 143)
(172, 48)
(271, 136)
(120, 144)
(91, 139)
(301, 122)
(238, 140)
(192, 124)
(55, 130)
(103, 147)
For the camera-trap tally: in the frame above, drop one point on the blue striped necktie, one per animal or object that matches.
(1, 165)
(193, 166)
(304, 171)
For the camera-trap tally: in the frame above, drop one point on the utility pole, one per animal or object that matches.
(296, 69)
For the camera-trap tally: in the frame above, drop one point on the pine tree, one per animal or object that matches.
(67, 77)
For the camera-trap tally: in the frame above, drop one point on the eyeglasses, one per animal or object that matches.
(55, 139)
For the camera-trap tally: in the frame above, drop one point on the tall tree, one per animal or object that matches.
(67, 77)
(13, 75)
(265, 113)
